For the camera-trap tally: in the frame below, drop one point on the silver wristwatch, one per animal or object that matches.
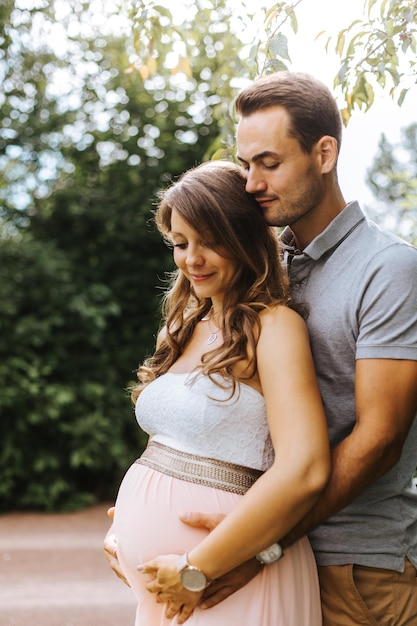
(271, 554)
(192, 578)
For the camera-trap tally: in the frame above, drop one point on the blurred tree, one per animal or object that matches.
(84, 151)
(379, 48)
(393, 180)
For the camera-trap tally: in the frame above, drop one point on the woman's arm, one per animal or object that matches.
(286, 492)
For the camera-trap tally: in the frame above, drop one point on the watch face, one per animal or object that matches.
(193, 579)
(271, 554)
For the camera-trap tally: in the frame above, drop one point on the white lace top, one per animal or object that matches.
(184, 411)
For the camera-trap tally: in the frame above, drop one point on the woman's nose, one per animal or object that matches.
(194, 255)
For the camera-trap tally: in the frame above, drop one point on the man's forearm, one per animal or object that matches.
(353, 470)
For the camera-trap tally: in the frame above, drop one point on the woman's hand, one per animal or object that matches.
(166, 584)
(110, 550)
(229, 583)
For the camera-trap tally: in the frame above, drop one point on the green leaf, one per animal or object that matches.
(394, 74)
(341, 74)
(390, 47)
(350, 50)
(275, 65)
(279, 46)
(405, 45)
(370, 94)
(163, 11)
(270, 15)
(382, 8)
(373, 61)
(389, 27)
(371, 4)
(409, 15)
(352, 24)
(340, 44)
(294, 21)
(346, 115)
(402, 96)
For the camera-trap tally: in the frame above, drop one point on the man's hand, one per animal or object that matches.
(209, 521)
(226, 585)
(110, 550)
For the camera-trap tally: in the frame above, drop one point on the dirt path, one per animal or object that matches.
(53, 572)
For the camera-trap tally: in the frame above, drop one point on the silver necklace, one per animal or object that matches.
(213, 334)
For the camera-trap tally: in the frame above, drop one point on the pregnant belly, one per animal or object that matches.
(147, 513)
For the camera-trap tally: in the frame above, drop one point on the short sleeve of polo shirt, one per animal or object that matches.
(387, 306)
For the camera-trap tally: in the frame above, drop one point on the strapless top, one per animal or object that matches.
(189, 412)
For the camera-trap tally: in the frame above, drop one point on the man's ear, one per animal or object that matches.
(328, 153)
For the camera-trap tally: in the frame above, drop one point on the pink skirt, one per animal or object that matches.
(147, 525)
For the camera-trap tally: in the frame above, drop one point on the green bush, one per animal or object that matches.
(66, 424)
(80, 264)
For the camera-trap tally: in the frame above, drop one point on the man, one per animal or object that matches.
(359, 285)
(360, 288)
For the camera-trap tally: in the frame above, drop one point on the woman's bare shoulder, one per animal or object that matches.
(281, 315)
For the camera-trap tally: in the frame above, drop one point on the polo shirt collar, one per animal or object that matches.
(338, 229)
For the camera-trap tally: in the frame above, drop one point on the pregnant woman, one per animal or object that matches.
(235, 421)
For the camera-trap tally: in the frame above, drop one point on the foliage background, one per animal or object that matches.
(100, 108)
(85, 148)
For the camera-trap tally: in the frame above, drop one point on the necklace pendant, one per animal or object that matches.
(212, 338)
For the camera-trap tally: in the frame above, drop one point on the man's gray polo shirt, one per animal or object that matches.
(360, 287)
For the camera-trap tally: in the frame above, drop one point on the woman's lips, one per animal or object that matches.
(199, 278)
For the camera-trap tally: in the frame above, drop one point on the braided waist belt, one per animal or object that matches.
(199, 469)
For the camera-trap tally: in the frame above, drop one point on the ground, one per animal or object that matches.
(53, 572)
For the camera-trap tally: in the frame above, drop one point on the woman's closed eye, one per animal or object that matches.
(203, 244)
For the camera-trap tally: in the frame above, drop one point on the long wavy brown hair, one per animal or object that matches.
(212, 199)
